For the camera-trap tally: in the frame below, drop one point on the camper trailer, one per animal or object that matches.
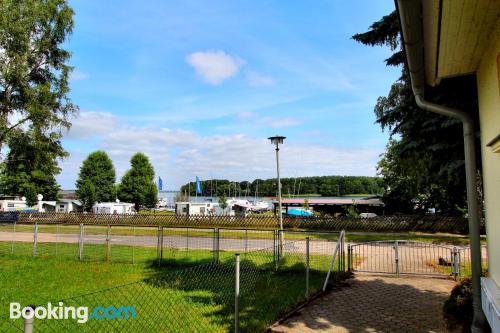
(12, 204)
(113, 208)
(195, 208)
(68, 206)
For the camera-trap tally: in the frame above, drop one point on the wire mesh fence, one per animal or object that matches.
(201, 298)
(134, 244)
(400, 223)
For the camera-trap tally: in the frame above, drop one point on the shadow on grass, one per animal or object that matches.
(265, 294)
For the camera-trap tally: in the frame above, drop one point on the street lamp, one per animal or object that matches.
(277, 140)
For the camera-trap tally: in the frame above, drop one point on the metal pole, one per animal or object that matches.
(158, 245)
(28, 322)
(108, 248)
(279, 197)
(161, 245)
(274, 251)
(57, 237)
(396, 256)
(217, 244)
(13, 238)
(133, 245)
(35, 238)
(456, 262)
(237, 295)
(80, 243)
(246, 240)
(307, 267)
(349, 257)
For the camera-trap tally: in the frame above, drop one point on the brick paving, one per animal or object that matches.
(376, 304)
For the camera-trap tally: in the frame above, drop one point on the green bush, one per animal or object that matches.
(457, 309)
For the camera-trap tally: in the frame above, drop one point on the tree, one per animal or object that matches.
(151, 196)
(97, 170)
(31, 164)
(34, 66)
(223, 202)
(425, 159)
(87, 195)
(136, 185)
(324, 185)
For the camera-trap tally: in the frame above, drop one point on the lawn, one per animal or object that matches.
(178, 296)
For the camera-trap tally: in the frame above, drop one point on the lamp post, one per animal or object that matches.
(277, 140)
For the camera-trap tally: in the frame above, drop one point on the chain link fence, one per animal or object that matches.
(400, 223)
(139, 244)
(236, 292)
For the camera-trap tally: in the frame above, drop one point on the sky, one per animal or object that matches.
(199, 86)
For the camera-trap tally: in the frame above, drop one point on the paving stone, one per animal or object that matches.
(376, 304)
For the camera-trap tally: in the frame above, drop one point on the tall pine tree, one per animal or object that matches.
(420, 140)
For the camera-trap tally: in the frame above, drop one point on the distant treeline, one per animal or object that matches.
(323, 185)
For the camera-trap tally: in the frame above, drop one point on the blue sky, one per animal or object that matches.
(199, 86)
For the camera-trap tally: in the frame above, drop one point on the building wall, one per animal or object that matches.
(489, 110)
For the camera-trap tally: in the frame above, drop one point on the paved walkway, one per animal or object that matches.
(376, 304)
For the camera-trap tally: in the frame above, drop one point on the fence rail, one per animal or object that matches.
(426, 223)
(409, 257)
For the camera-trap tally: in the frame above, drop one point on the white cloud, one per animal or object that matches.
(78, 75)
(214, 66)
(88, 124)
(272, 122)
(257, 80)
(179, 155)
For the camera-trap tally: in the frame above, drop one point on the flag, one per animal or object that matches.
(160, 184)
(198, 185)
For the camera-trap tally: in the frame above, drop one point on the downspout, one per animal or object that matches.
(410, 14)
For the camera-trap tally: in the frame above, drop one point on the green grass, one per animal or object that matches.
(201, 296)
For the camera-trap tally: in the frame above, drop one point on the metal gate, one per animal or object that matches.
(404, 257)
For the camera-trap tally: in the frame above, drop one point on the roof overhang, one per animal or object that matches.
(456, 35)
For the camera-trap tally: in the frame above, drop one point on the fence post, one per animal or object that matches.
(13, 238)
(159, 245)
(133, 245)
(456, 263)
(275, 250)
(237, 295)
(108, 247)
(396, 256)
(246, 240)
(35, 239)
(80, 243)
(307, 267)
(217, 244)
(349, 258)
(28, 322)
